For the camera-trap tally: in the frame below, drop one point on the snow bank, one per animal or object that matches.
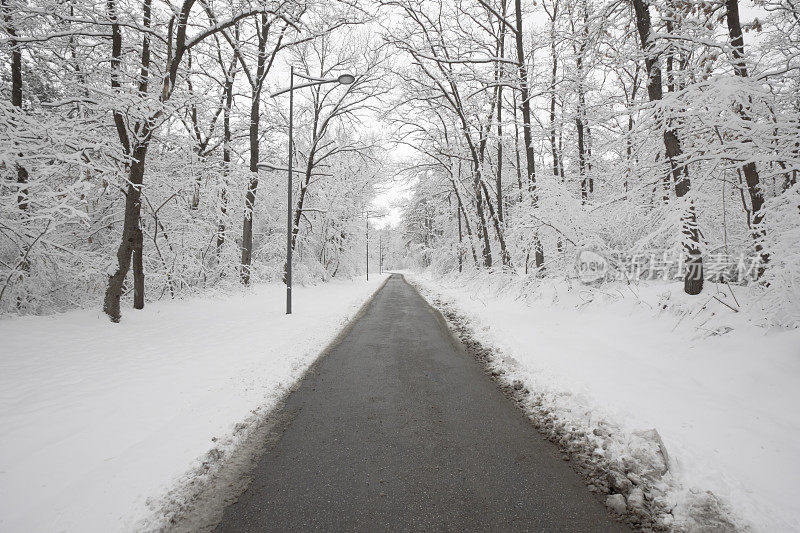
(97, 417)
(613, 364)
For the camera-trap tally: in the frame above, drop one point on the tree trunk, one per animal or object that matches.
(516, 154)
(223, 211)
(466, 220)
(582, 160)
(629, 132)
(525, 104)
(252, 186)
(504, 255)
(526, 121)
(195, 203)
(580, 119)
(138, 240)
(693, 281)
(250, 197)
(16, 101)
(500, 73)
(750, 170)
(298, 212)
(226, 157)
(482, 230)
(499, 175)
(16, 95)
(132, 238)
(460, 239)
(130, 234)
(138, 269)
(553, 73)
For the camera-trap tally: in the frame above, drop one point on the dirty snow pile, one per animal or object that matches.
(99, 418)
(688, 408)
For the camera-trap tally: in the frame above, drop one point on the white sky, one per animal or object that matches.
(393, 192)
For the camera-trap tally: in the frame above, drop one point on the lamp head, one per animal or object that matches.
(346, 79)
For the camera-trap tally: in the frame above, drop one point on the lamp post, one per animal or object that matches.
(344, 79)
(367, 214)
(366, 217)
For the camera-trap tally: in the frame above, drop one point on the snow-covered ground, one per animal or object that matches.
(615, 361)
(97, 418)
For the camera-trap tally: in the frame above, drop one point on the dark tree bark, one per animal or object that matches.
(557, 167)
(226, 153)
(136, 148)
(201, 144)
(749, 169)
(130, 237)
(138, 240)
(16, 94)
(301, 198)
(483, 233)
(131, 231)
(130, 225)
(466, 220)
(16, 101)
(477, 177)
(504, 255)
(629, 132)
(460, 239)
(255, 121)
(252, 187)
(477, 173)
(499, 174)
(263, 66)
(584, 179)
(318, 128)
(525, 104)
(670, 51)
(138, 269)
(527, 135)
(516, 154)
(693, 280)
(586, 182)
(500, 74)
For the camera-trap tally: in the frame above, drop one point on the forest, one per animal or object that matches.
(141, 151)
(137, 139)
(663, 135)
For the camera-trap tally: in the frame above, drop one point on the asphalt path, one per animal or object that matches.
(398, 429)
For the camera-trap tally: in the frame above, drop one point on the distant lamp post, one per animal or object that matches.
(368, 214)
(344, 79)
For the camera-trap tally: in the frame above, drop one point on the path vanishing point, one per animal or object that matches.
(398, 429)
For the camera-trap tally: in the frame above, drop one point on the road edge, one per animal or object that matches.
(459, 330)
(199, 499)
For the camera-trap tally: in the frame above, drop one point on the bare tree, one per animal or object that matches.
(136, 132)
(693, 280)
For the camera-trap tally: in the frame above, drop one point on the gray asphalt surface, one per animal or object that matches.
(397, 428)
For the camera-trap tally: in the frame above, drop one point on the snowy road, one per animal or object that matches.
(397, 428)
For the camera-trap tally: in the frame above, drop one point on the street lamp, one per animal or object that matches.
(344, 79)
(367, 214)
